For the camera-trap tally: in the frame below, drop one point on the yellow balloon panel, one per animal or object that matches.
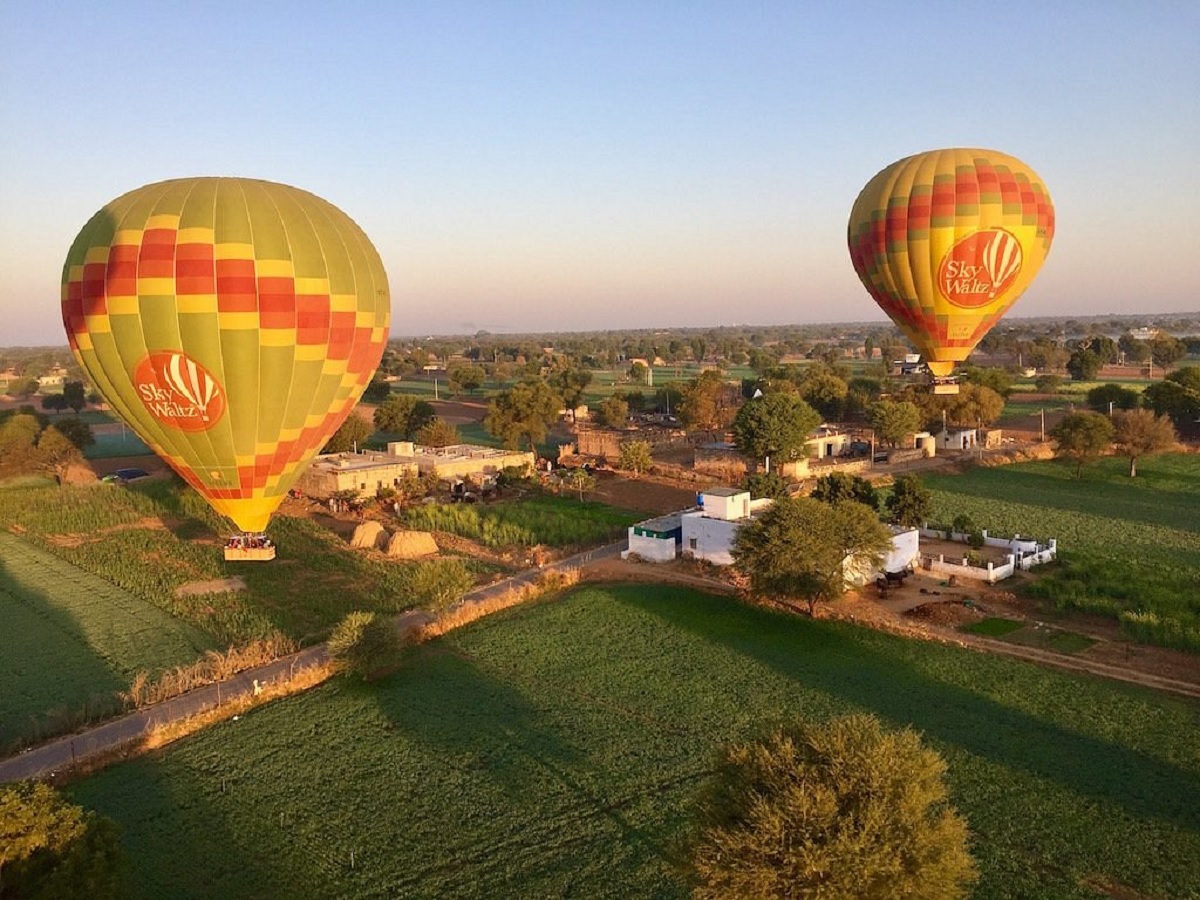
(946, 241)
(232, 323)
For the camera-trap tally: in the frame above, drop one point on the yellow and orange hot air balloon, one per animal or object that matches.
(946, 241)
(233, 323)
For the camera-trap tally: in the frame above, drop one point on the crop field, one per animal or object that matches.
(554, 521)
(1129, 548)
(72, 641)
(555, 750)
(151, 538)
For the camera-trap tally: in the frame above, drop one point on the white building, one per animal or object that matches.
(957, 439)
(655, 540)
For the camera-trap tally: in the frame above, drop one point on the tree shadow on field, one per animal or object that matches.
(51, 678)
(877, 677)
(506, 755)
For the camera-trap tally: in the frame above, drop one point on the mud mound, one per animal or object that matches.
(946, 613)
(411, 545)
(370, 535)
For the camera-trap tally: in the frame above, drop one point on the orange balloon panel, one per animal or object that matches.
(232, 323)
(946, 241)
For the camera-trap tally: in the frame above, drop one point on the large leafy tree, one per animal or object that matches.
(1083, 365)
(1165, 349)
(1104, 397)
(837, 487)
(776, 424)
(824, 391)
(352, 433)
(1139, 432)
(705, 402)
(1177, 395)
(798, 549)
(893, 420)
(404, 415)
(910, 502)
(1082, 436)
(974, 405)
(56, 453)
(636, 457)
(525, 411)
(841, 809)
(437, 433)
(612, 412)
(466, 378)
(571, 384)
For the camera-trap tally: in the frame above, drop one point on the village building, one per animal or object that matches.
(370, 471)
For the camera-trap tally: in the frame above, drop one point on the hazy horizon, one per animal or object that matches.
(608, 166)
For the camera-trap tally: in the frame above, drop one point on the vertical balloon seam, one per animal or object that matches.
(183, 343)
(241, 189)
(270, 193)
(219, 344)
(909, 301)
(145, 425)
(298, 451)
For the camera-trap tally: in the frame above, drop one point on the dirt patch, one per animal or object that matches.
(643, 495)
(213, 586)
(680, 572)
(77, 540)
(946, 613)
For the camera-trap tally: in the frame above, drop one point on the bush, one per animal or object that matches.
(843, 809)
(363, 644)
(51, 849)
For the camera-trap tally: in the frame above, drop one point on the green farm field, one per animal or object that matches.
(74, 641)
(555, 751)
(1129, 548)
(556, 521)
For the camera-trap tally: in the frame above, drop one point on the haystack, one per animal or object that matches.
(370, 535)
(411, 545)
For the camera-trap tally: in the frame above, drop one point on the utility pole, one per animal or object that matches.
(1043, 425)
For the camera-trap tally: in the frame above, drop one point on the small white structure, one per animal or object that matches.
(905, 553)
(655, 540)
(957, 439)
(708, 533)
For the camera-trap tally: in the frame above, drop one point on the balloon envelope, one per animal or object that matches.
(233, 323)
(946, 241)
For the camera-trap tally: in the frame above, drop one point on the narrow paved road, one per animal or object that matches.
(64, 752)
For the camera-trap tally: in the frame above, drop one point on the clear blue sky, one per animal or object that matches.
(557, 165)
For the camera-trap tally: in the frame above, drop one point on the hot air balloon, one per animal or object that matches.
(946, 241)
(232, 323)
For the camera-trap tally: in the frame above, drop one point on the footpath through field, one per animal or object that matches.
(66, 752)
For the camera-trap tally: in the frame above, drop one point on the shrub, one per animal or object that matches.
(363, 644)
(843, 809)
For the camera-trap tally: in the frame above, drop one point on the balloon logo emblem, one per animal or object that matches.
(980, 267)
(178, 391)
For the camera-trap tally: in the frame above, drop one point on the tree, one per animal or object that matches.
(1104, 397)
(1102, 345)
(1166, 350)
(1135, 351)
(1083, 436)
(377, 391)
(837, 487)
(54, 402)
(893, 420)
(50, 847)
(580, 479)
(775, 424)
(612, 412)
(765, 484)
(990, 377)
(824, 391)
(438, 584)
(23, 388)
(404, 415)
(438, 433)
(56, 453)
(1083, 365)
(1048, 384)
(705, 402)
(974, 405)
(910, 501)
(1177, 395)
(466, 378)
(635, 457)
(526, 410)
(363, 644)
(1139, 432)
(799, 549)
(840, 809)
(77, 431)
(571, 383)
(639, 372)
(350, 434)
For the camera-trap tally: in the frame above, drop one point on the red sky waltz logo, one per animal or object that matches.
(178, 391)
(980, 267)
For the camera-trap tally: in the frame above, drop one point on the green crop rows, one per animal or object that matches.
(553, 521)
(555, 750)
(73, 641)
(1129, 547)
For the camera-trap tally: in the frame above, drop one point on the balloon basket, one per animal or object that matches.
(943, 386)
(249, 548)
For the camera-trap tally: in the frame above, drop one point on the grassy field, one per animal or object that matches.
(555, 750)
(1128, 547)
(150, 538)
(72, 641)
(560, 521)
